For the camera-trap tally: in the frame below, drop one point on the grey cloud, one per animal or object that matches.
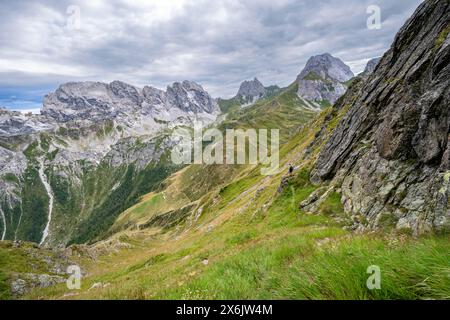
(217, 43)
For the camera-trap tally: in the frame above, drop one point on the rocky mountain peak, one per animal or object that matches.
(125, 91)
(323, 79)
(190, 96)
(327, 67)
(82, 100)
(154, 96)
(250, 91)
(13, 123)
(252, 88)
(83, 127)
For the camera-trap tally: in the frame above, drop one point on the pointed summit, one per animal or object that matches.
(94, 101)
(327, 67)
(249, 90)
(323, 79)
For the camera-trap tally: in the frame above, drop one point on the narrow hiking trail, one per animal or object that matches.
(48, 188)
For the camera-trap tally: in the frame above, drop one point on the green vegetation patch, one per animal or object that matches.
(312, 76)
(298, 268)
(441, 38)
(332, 205)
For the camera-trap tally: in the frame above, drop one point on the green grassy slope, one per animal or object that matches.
(284, 111)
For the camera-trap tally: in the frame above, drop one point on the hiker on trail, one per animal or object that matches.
(291, 168)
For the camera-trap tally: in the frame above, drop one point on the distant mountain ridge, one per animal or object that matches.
(358, 183)
(93, 101)
(85, 103)
(250, 91)
(320, 83)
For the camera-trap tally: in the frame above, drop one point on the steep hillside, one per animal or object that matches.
(390, 153)
(285, 111)
(187, 187)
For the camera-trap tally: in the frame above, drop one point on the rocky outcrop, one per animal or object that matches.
(190, 97)
(323, 79)
(25, 282)
(251, 91)
(43, 268)
(391, 150)
(371, 65)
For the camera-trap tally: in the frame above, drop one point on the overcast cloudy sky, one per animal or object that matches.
(216, 43)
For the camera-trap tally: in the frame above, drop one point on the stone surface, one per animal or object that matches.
(14, 123)
(251, 91)
(25, 282)
(371, 65)
(323, 79)
(95, 101)
(390, 151)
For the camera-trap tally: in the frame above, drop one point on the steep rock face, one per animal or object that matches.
(94, 101)
(323, 79)
(83, 100)
(251, 91)
(391, 151)
(191, 97)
